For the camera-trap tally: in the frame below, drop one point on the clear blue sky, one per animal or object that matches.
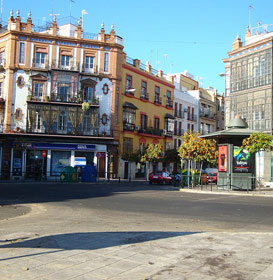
(180, 34)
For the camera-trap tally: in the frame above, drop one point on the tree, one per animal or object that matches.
(256, 143)
(197, 149)
(171, 156)
(151, 154)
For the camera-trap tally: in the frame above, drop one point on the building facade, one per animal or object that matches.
(248, 79)
(146, 107)
(59, 90)
(185, 107)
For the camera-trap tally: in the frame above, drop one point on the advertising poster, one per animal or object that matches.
(241, 160)
(222, 158)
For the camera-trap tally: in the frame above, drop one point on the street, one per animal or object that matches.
(159, 222)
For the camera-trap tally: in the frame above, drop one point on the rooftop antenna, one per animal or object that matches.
(157, 61)
(53, 16)
(249, 15)
(71, 1)
(165, 59)
(83, 13)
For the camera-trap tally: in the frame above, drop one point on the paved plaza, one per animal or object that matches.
(49, 241)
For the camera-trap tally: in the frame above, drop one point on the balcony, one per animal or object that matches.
(178, 114)
(49, 118)
(129, 126)
(169, 103)
(151, 131)
(192, 117)
(158, 100)
(144, 96)
(130, 92)
(207, 114)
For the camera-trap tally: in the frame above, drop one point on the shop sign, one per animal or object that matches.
(57, 146)
(99, 155)
(43, 153)
(80, 161)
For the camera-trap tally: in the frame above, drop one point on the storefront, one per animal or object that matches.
(47, 160)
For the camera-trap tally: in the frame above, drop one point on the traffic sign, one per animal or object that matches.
(43, 153)
(99, 155)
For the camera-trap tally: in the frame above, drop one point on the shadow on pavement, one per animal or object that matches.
(53, 192)
(86, 241)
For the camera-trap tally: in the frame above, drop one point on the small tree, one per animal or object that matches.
(197, 149)
(152, 154)
(256, 143)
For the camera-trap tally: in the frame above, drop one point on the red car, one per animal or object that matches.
(160, 177)
(212, 178)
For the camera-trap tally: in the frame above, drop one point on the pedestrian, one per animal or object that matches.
(79, 173)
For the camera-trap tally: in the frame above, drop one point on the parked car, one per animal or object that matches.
(212, 178)
(160, 177)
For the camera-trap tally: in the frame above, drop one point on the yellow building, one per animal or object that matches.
(146, 105)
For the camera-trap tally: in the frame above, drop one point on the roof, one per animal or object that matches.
(129, 105)
(231, 132)
(237, 122)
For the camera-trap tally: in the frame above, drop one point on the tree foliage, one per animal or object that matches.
(134, 156)
(198, 149)
(171, 156)
(257, 141)
(152, 153)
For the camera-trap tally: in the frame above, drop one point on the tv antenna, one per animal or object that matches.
(53, 16)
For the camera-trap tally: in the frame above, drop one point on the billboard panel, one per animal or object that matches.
(222, 158)
(241, 160)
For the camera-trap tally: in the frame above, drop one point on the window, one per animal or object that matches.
(2, 58)
(106, 62)
(1, 89)
(62, 123)
(59, 160)
(65, 60)
(129, 115)
(38, 122)
(180, 110)
(89, 62)
(38, 90)
(128, 82)
(88, 94)
(86, 123)
(143, 119)
(192, 114)
(156, 124)
(175, 127)
(180, 129)
(22, 52)
(157, 95)
(63, 91)
(127, 145)
(169, 97)
(40, 58)
(143, 89)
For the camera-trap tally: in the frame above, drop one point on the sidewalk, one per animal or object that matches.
(213, 189)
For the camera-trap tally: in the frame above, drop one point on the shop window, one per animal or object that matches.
(59, 160)
(17, 162)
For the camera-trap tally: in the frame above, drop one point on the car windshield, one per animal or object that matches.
(212, 174)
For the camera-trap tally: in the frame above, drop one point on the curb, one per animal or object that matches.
(226, 193)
